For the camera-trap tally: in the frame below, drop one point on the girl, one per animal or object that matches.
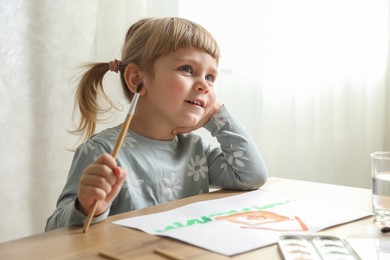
(160, 159)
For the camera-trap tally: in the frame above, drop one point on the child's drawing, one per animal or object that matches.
(266, 220)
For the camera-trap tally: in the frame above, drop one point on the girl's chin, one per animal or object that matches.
(192, 121)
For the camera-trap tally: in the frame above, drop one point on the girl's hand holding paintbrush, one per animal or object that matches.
(101, 181)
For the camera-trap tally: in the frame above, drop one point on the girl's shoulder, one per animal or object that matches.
(108, 136)
(102, 142)
(105, 140)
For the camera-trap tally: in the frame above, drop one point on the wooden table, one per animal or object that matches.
(71, 243)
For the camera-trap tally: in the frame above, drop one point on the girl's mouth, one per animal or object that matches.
(196, 102)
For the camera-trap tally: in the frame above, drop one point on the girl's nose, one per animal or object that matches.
(202, 86)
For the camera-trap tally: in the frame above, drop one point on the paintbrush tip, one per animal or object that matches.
(139, 87)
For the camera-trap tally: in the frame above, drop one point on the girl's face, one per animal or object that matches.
(180, 91)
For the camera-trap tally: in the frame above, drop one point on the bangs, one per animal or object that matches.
(172, 34)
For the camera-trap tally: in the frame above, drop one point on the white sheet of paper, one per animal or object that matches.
(220, 226)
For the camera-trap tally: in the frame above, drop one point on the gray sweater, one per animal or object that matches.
(161, 171)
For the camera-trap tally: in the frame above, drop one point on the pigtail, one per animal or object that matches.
(88, 99)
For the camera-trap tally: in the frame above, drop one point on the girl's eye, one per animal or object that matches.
(210, 78)
(186, 68)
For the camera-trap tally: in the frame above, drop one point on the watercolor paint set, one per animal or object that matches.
(315, 247)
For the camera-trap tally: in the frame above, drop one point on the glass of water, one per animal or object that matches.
(380, 172)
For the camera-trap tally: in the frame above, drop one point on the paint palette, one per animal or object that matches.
(315, 247)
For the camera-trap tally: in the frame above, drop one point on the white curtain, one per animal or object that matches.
(309, 80)
(42, 43)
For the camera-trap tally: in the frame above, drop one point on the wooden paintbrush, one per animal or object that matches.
(121, 137)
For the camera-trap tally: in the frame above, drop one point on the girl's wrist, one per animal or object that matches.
(79, 207)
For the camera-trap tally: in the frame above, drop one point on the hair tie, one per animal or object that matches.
(114, 65)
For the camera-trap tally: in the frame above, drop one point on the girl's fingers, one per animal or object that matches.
(120, 174)
(100, 182)
(107, 160)
(92, 193)
(99, 171)
(97, 180)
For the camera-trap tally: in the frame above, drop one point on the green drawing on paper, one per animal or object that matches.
(188, 223)
(208, 218)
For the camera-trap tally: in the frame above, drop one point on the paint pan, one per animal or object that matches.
(315, 247)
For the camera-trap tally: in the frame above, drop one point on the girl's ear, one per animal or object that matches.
(133, 76)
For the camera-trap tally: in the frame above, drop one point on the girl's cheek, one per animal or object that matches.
(213, 97)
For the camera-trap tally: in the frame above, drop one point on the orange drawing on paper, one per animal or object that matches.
(266, 220)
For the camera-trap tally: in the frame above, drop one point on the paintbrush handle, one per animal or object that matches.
(121, 137)
(117, 147)
(88, 221)
(118, 144)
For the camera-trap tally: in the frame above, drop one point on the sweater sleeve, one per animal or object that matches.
(66, 212)
(237, 163)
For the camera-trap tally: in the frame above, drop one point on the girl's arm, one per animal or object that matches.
(92, 176)
(237, 163)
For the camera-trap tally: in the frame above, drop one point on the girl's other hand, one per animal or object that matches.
(101, 180)
(201, 123)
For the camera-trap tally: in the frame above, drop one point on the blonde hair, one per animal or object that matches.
(145, 41)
